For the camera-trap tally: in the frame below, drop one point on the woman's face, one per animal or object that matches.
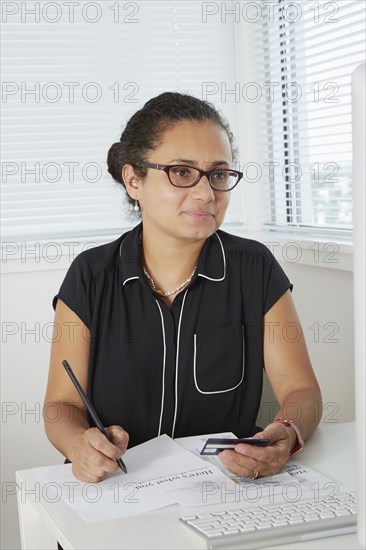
(192, 213)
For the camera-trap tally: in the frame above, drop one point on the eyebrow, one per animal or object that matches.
(194, 163)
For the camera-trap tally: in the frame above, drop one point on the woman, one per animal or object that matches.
(173, 323)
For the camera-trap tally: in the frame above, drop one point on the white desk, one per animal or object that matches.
(331, 451)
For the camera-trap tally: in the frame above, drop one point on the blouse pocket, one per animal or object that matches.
(218, 366)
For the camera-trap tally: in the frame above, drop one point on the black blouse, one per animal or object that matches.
(194, 368)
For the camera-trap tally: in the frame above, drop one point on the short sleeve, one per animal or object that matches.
(275, 280)
(77, 290)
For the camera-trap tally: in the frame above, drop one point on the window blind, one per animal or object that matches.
(73, 73)
(304, 55)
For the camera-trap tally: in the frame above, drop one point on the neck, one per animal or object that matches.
(169, 261)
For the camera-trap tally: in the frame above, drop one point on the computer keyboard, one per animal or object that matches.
(275, 524)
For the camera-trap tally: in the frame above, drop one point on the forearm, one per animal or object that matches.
(64, 422)
(304, 407)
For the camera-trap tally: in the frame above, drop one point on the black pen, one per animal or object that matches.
(91, 410)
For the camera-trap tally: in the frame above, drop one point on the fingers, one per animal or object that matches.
(99, 442)
(119, 438)
(94, 455)
(239, 465)
(246, 459)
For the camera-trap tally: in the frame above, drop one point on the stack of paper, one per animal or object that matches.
(162, 472)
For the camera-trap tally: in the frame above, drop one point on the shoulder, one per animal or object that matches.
(94, 261)
(249, 249)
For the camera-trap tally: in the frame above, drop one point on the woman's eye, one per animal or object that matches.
(220, 176)
(182, 172)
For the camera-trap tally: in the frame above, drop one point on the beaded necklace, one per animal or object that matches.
(161, 292)
(169, 292)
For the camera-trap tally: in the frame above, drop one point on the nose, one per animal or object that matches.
(203, 190)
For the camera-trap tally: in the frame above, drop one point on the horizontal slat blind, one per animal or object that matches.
(307, 51)
(73, 73)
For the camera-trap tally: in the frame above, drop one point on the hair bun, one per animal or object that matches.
(114, 161)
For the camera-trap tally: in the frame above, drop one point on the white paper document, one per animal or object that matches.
(162, 472)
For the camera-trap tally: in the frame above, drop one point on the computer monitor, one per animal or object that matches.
(359, 182)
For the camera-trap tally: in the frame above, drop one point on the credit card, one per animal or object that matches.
(214, 445)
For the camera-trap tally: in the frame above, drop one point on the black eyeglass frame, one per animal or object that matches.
(166, 168)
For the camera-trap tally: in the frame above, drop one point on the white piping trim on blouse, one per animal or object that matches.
(224, 261)
(176, 363)
(164, 359)
(195, 374)
(130, 279)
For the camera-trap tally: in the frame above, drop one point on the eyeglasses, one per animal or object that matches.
(187, 176)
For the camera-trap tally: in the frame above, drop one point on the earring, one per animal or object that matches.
(136, 207)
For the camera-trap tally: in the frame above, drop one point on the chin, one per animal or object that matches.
(201, 233)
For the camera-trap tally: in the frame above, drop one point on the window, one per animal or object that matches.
(304, 55)
(73, 73)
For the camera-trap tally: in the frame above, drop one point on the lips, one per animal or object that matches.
(199, 214)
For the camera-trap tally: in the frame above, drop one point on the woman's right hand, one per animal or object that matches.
(93, 456)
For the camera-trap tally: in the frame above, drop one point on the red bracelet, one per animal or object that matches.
(299, 443)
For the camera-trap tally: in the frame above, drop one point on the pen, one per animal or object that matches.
(91, 409)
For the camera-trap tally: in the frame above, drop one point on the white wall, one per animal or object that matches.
(324, 301)
(322, 295)
(323, 298)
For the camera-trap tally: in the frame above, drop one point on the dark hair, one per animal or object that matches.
(144, 130)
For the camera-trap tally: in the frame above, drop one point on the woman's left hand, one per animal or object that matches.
(253, 461)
